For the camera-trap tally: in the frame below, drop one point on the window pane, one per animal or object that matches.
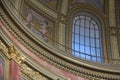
(92, 33)
(87, 41)
(87, 18)
(76, 47)
(88, 57)
(73, 29)
(76, 18)
(77, 38)
(99, 59)
(81, 30)
(77, 23)
(94, 58)
(82, 48)
(93, 22)
(82, 17)
(96, 27)
(87, 24)
(83, 56)
(97, 43)
(77, 54)
(93, 51)
(87, 50)
(82, 23)
(77, 29)
(86, 32)
(98, 52)
(92, 41)
(81, 39)
(97, 34)
(91, 26)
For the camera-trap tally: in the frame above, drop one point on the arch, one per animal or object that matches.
(94, 11)
(86, 37)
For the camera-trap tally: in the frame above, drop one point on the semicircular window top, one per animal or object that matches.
(86, 37)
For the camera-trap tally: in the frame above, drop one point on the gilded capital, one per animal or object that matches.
(15, 55)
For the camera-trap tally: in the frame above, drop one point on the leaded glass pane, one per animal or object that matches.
(88, 57)
(97, 34)
(97, 43)
(98, 52)
(82, 40)
(77, 54)
(93, 22)
(77, 22)
(92, 41)
(82, 17)
(93, 52)
(77, 29)
(87, 50)
(82, 48)
(77, 47)
(77, 38)
(87, 33)
(87, 41)
(82, 22)
(87, 24)
(91, 25)
(96, 27)
(82, 30)
(92, 33)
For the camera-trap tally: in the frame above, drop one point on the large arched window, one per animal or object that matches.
(86, 38)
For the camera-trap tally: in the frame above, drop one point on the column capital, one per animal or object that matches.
(15, 55)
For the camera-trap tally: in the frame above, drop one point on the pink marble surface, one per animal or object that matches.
(41, 61)
(14, 71)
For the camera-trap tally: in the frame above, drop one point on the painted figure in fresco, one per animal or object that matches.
(29, 18)
(34, 20)
(44, 30)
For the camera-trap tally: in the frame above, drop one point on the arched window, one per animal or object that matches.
(86, 38)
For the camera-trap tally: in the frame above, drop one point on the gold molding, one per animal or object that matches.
(4, 48)
(32, 73)
(15, 55)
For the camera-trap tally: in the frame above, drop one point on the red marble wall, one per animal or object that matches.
(14, 71)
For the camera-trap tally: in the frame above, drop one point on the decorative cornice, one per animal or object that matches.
(55, 59)
(32, 73)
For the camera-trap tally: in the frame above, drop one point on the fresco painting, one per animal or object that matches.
(40, 26)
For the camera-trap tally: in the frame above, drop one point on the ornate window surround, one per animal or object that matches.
(98, 14)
